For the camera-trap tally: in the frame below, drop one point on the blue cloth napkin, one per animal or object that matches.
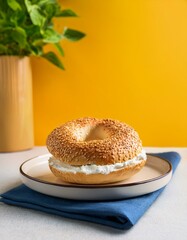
(120, 214)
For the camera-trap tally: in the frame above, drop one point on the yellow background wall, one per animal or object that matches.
(132, 66)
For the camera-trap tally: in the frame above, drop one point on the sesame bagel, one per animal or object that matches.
(93, 151)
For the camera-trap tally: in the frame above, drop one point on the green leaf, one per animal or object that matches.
(45, 2)
(66, 13)
(33, 32)
(59, 48)
(38, 43)
(35, 13)
(28, 5)
(73, 35)
(18, 18)
(36, 51)
(50, 10)
(14, 18)
(36, 17)
(19, 35)
(14, 5)
(52, 57)
(51, 36)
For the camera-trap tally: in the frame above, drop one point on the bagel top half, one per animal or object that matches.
(87, 141)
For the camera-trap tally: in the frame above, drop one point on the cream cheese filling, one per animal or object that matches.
(93, 169)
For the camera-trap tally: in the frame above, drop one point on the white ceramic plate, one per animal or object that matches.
(36, 174)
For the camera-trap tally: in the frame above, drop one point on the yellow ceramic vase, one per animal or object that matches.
(16, 113)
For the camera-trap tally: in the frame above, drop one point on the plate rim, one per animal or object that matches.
(93, 186)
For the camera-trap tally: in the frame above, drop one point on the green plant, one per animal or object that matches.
(26, 26)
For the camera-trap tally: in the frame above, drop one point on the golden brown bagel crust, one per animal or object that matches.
(81, 178)
(121, 144)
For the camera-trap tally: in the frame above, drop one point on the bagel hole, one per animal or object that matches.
(96, 133)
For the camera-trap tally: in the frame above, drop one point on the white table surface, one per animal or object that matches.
(165, 219)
